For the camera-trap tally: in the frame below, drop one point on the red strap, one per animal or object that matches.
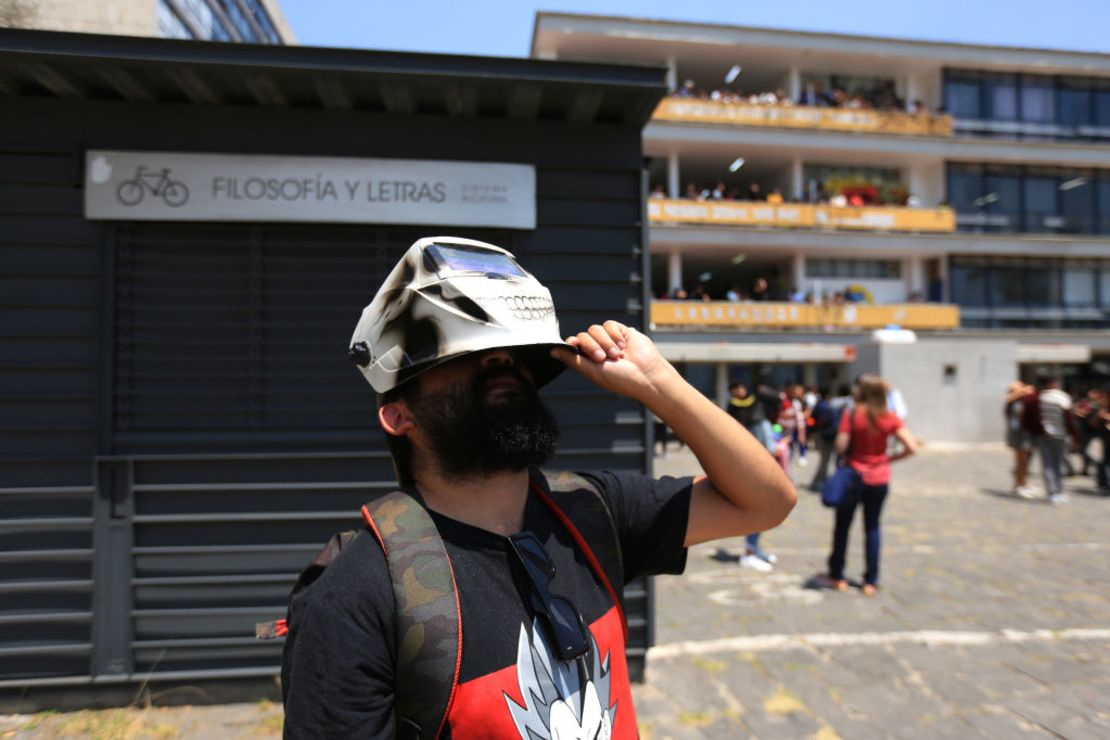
(281, 628)
(585, 547)
(374, 528)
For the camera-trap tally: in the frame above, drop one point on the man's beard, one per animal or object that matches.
(471, 436)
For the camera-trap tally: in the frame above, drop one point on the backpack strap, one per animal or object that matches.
(578, 504)
(427, 616)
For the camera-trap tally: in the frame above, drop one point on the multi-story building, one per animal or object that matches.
(959, 191)
(249, 21)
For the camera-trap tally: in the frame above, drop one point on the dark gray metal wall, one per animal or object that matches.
(179, 428)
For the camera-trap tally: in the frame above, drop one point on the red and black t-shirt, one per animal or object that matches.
(337, 668)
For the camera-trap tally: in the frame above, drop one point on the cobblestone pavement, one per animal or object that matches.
(993, 620)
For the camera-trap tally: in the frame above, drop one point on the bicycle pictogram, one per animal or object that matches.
(173, 192)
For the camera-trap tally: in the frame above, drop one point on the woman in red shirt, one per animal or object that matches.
(863, 437)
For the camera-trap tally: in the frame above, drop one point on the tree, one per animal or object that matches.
(18, 13)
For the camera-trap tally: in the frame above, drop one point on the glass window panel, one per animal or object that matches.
(1040, 204)
(1037, 100)
(1079, 286)
(1103, 205)
(169, 25)
(1101, 105)
(1001, 97)
(1073, 107)
(1007, 285)
(961, 98)
(1003, 200)
(965, 186)
(1104, 286)
(1077, 203)
(969, 285)
(1042, 286)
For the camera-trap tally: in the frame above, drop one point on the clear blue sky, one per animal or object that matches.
(504, 27)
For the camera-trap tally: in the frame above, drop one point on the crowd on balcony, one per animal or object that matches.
(838, 194)
(881, 99)
(762, 291)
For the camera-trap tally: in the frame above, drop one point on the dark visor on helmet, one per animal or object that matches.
(465, 259)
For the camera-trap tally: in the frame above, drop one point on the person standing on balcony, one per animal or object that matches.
(755, 192)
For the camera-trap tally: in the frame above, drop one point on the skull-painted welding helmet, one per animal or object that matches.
(448, 297)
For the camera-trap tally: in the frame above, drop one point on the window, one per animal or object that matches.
(1104, 285)
(200, 14)
(1007, 284)
(965, 187)
(859, 269)
(1073, 104)
(1002, 199)
(239, 20)
(170, 25)
(1080, 280)
(1001, 97)
(961, 95)
(1077, 203)
(968, 282)
(1101, 108)
(1103, 204)
(1037, 99)
(1040, 204)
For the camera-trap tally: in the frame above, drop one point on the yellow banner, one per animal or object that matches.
(803, 116)
(800, 215)
(803, 316)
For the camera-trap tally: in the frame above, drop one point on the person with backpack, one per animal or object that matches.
(483, 597)
(826, 416)
(862, 438)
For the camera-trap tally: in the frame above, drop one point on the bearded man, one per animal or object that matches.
(457, 342)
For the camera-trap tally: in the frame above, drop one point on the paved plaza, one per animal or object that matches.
(993, 621)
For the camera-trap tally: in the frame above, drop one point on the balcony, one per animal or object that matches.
(777, 316)
(861, 120)
(663, 211)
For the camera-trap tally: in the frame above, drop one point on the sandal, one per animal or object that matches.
(869, 589)
(833, 584)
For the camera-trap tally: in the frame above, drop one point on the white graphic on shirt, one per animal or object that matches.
(557, 706)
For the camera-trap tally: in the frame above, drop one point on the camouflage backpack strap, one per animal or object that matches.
(581, 508)
(427, 616)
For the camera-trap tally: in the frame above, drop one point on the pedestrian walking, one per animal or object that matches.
(1018, 438)
(1047, 416)
(862, 438)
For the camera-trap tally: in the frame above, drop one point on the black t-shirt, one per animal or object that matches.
(337, 667)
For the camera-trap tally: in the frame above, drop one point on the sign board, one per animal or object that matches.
(175, 186)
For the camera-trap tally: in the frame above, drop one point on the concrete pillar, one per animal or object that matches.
(799, 271)
(797, 178)
(674, 269)
(674, 181)
(915, 275)
(926, 181)
(672, 74)
(794, 83)
(721, 383)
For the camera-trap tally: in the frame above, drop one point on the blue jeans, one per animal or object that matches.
(1053, 457)
(872, 498)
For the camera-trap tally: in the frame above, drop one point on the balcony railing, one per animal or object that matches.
(800, 215)
(803, 116)
(770, 316)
